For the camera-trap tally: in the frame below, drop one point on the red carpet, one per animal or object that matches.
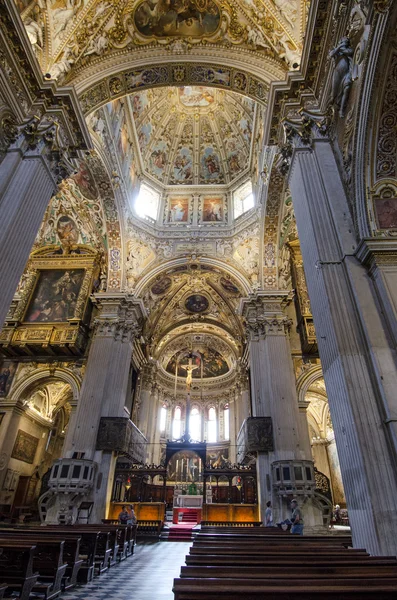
(182, 532)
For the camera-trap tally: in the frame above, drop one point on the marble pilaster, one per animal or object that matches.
(273, 392)
(353, 340)
(105, 386)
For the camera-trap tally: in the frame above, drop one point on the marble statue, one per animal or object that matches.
(256, 38)
(63, 16)
(288, 9)
(60, 69)
(35, 33)
(342, 77)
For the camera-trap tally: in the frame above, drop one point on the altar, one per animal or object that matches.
(188, 501)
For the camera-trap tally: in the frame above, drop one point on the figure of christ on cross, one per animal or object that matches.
(189, 368)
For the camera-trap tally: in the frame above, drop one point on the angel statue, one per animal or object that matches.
(342, 78)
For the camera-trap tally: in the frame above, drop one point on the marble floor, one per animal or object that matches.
(147, 575)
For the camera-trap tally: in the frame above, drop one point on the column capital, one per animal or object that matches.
(377, 252)
(121, 316)
(299, 134)
(263, 313)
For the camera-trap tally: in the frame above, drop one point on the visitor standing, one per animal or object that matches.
(296, 518)
(268, 515)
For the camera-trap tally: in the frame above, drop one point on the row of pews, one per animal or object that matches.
(44, 561)
(271, 564)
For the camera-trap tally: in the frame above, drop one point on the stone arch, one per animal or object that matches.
(306, 379)
(42, 376)
(165, 266)
(247, 76)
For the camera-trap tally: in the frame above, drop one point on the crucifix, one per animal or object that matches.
(189, 368)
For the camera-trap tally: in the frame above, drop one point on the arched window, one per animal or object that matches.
(163, 418)
(226, 421)
(243, 199)
(195, 425)
(176, 425)
(147, 202)
(211, 425)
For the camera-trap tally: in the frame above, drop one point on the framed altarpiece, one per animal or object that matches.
(51, 315)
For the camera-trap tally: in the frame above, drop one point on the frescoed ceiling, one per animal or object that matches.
(70, 35)
(192, 135)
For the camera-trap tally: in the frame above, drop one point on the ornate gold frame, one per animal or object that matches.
(20, 337)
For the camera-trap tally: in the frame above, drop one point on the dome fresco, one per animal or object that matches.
(193, 135)
(213, 364)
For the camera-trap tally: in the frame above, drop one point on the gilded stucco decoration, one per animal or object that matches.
(69, 35)
(201, 297)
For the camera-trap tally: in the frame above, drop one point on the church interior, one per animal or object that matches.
(198, 306)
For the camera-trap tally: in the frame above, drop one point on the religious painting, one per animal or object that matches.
(139, 102)
(184, 466)
(386, 210)
(213, 210)
(183, 166)
(86, 182)
(7, 372)
(210, 163)
(196, 96)
(178, 211)
(214, 364)
(218, 458)
(55, 296)
(67, 230)
(179, 18)
(161, 286)
(197, 303)
(158, 159)
(25, 447)
(229, 285)
(144, 135)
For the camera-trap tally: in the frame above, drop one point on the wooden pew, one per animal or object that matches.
(301, 588)
(47, 562)
(252, 550)
(71, 550)
(265, 572)
(103, 550)
(240, 562)
(16, 561)
(87, 550)
(285, 539)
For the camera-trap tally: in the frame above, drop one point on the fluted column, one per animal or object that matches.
(42, 128)
(104, 389)
(273, 392)
(105, 384)
(353, 341)
(27, 184)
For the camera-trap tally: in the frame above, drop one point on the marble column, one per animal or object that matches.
(273, 393)
(147, 398)
(358, 360)
(23, 200)
(104, 390)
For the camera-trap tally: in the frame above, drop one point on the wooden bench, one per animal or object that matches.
(328, 540)
(71, 550)
(47, 562)
(252, 550)
(17, 561)
(103, 549)
(241, 561)
(264, 572)
(87, 550)
(301, 588)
